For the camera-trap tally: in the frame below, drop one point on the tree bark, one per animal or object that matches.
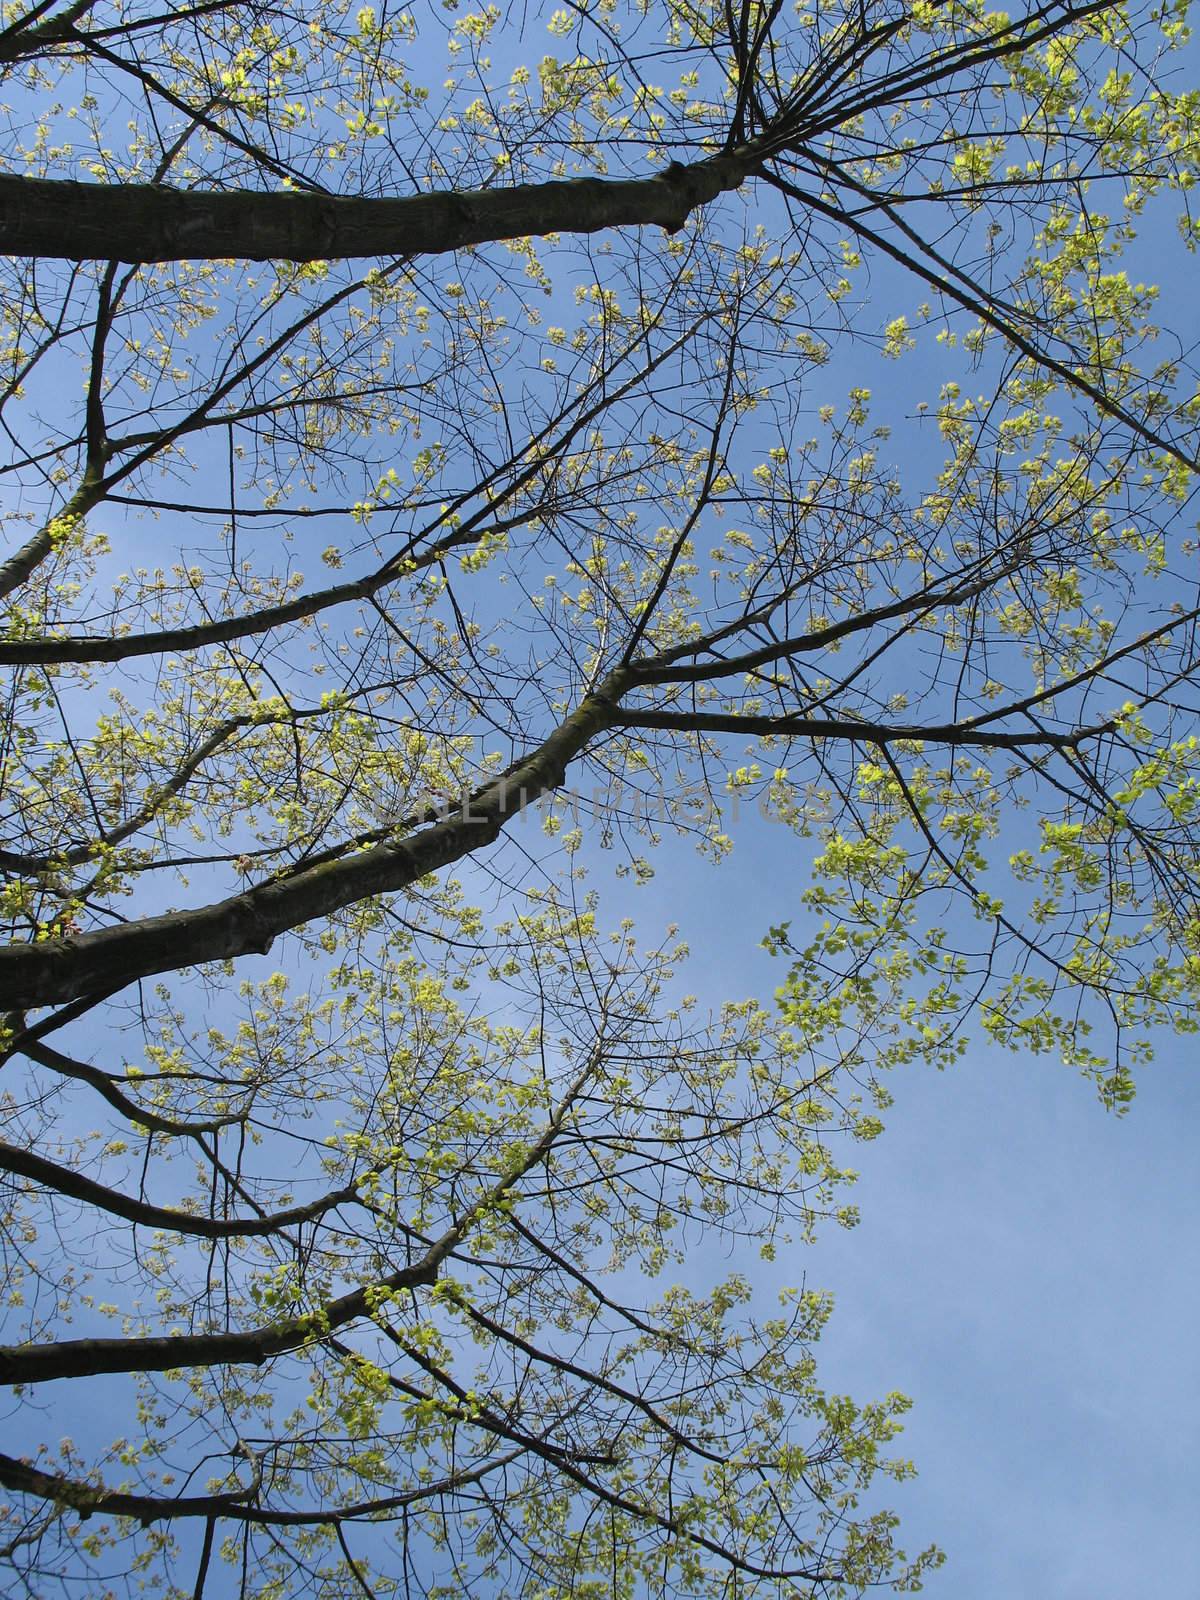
(149, 222)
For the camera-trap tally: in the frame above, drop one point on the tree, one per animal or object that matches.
(358, 1238)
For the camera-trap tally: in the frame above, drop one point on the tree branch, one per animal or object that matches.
(104, 1085)
(65, 1181)
(880, 733)
(71, 221)
(93, 1499)
(82, 1358)
(53, 970)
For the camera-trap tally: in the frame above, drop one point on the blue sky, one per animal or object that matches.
(1024, 1270)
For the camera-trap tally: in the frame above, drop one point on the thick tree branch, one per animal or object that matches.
(73, 221)
(89, 1498)
(62, 969)
(86, 1498)
(29, 36)
(881, 733)
(65, 1181)
(81, 1358)
(25, 561)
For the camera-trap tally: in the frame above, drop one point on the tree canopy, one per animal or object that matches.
(420, 417)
